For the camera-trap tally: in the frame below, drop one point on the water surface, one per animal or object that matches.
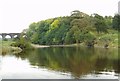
(61, 63)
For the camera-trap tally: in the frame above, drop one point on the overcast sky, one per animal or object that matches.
(16, 15)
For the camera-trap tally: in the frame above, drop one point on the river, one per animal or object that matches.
(61, 63)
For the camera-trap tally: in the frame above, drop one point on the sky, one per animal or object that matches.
(16, 15)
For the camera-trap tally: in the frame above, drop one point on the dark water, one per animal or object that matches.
(62, 63)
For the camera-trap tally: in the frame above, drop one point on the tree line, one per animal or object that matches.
(77, 28)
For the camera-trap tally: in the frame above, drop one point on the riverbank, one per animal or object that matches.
(6, 48)
(10, 49)
(39, 46)
(72, 45)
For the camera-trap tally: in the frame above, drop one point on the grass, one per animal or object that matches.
(5, 43)
(6, 48)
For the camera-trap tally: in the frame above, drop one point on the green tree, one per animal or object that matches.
(100, 24)
(79, 27)
(108, 21)
(116, 22)
(32, 29)
(78, 14)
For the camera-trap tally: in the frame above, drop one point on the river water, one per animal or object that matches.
(61, 63)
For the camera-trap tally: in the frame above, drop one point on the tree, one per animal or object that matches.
(78, 14)
(79, 27)
(100, 24)
(108, 21)
(116, 22)
(32, 29)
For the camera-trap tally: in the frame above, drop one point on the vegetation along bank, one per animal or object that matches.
(78, 28)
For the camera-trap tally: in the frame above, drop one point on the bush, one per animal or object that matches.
(23, 43)
(90, 39)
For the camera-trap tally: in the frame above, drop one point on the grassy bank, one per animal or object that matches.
(6, 48)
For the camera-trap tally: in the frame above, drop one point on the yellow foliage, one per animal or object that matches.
(55, 24)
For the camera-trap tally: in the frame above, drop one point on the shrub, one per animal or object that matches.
(23, 43)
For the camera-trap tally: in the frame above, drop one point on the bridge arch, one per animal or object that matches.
(7, 37)
(15, 36)
(11, 35)
(0, 37)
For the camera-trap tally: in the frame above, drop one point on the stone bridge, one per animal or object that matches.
(12, 35)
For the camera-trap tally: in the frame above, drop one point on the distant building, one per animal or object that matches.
(119, 7)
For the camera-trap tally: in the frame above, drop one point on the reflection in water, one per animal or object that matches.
(14, 68)
(76, 61)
